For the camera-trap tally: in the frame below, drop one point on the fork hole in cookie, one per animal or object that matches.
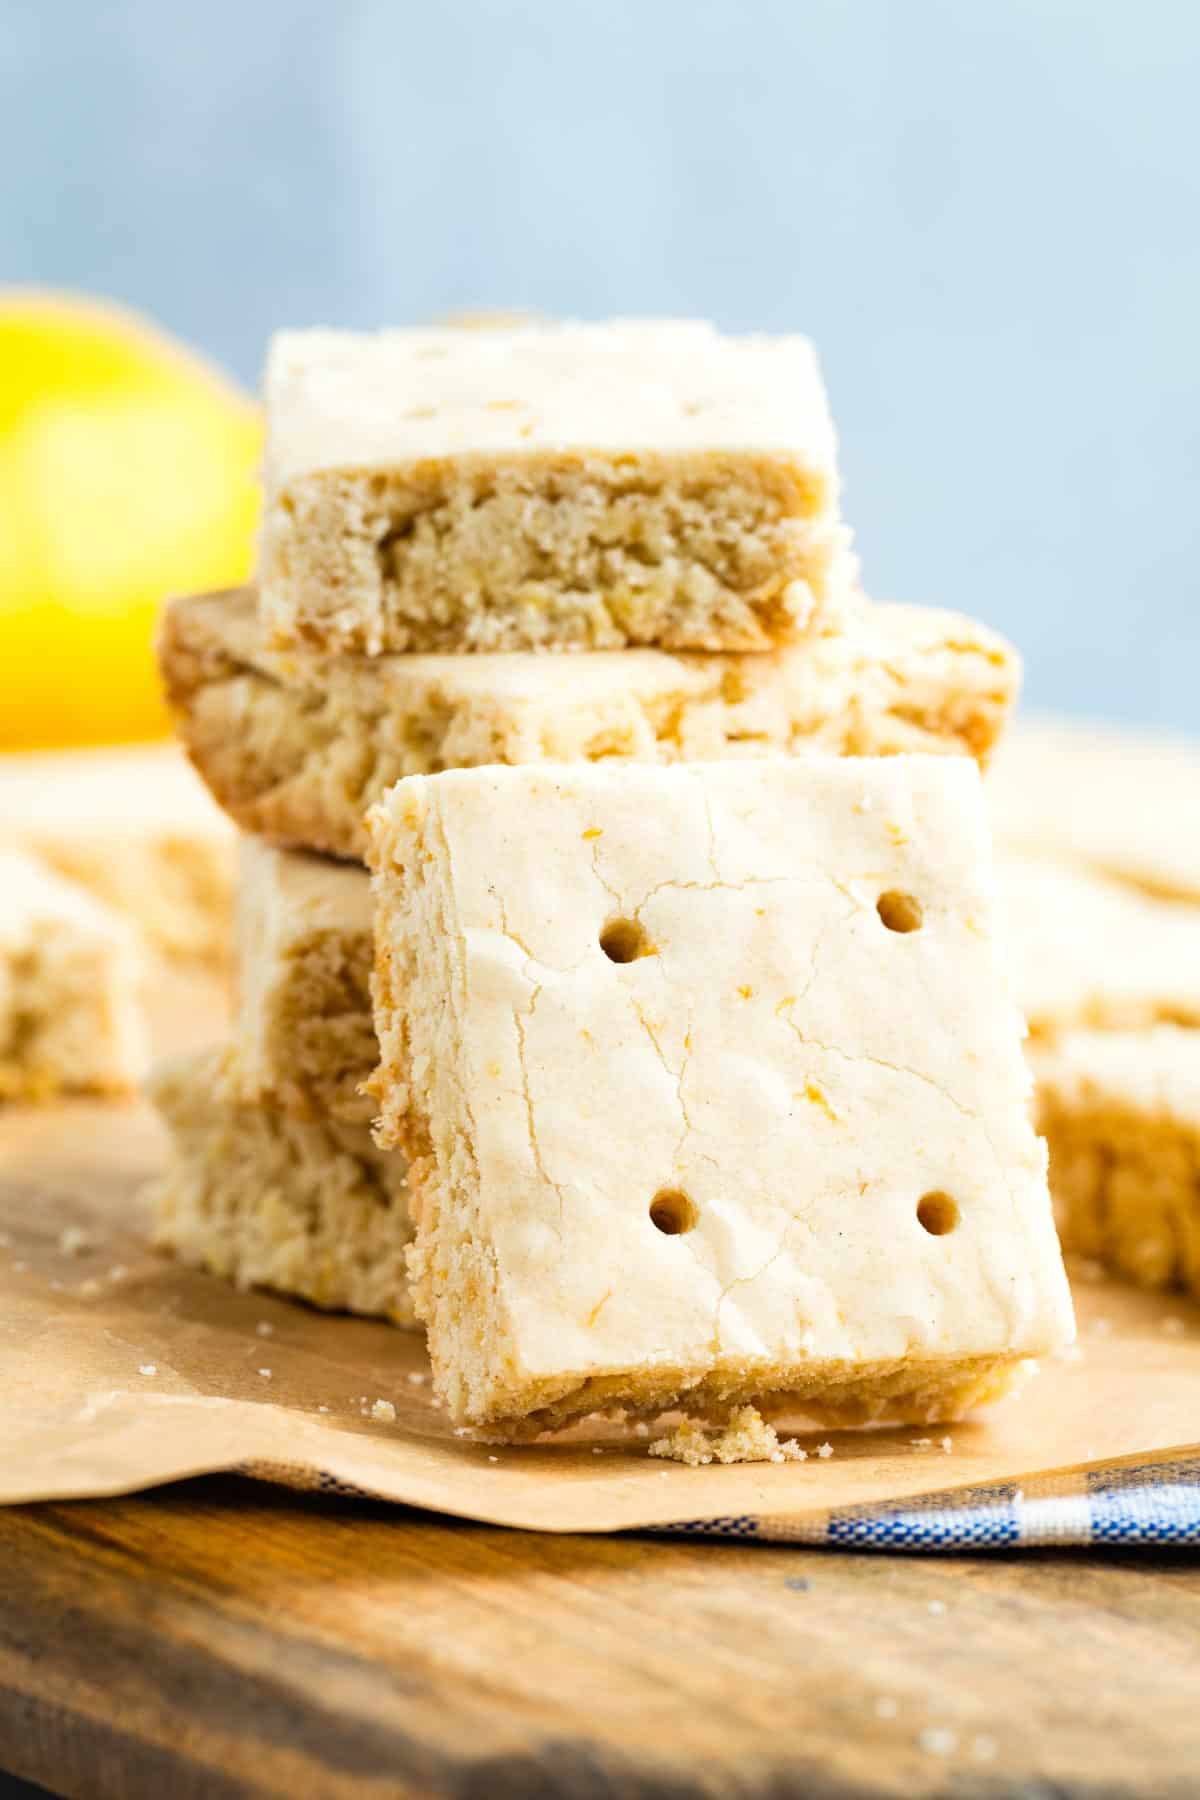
(672, 1212)
(900, 912)
(937, 1212)
(624, 940)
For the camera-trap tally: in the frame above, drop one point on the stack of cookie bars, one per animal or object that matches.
(692, 1067)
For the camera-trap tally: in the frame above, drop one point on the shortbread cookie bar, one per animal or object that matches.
(304, 1034)
(308, 1207)
(713, 1087)
(550, 486)
(1121, 1111)
(1124, 803)
(1089, 951)
(136, 827)
(297, 748)
(70, 980)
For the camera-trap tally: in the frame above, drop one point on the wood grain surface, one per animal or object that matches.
(223, 1639)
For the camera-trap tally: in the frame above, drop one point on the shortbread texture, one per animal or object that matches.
(304, 1033)
(1123, 803)
(713, 1089)
(70, 988)
(549, 486)
(1088, 951)
(307, 1207)
(297, 747)
(1121, 1112)
(135, 826)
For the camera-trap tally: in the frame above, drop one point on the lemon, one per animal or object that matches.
(126, 474)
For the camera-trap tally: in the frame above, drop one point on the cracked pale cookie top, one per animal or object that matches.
(740, 1074)
(341, 400)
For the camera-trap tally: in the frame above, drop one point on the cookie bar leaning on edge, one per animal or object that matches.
(712, 1088)
(297, 748)
(1121, 1112)
(552, 486)
(307, 1207)
(303, 1029)
(70, 988)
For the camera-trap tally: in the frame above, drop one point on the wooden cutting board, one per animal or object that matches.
(224, 1639)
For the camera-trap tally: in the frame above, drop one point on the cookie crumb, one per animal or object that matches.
(824, 1451)
(265, 1373)
(383, 1409)
(947, 1445)
(746, 1438)
(147, 1368)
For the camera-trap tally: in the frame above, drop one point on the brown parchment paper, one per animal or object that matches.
(120, 1370)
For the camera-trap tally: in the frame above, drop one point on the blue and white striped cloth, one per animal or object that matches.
(1153, 1503)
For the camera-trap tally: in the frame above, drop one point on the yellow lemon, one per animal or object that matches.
(126, 473)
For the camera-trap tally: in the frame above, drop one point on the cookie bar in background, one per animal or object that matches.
(303, 1030)
(307, 1207)
(135, 826)
(1121, 1112)
(296, 747)
(70, 988)
(548, 486)
(1088, 951)
(713, 1090)
(1126, 804)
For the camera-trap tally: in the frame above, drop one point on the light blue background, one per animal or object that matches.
(986, 212)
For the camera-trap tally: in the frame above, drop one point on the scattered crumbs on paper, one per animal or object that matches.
(886, 1707)
(264, 1328)
(383, 1409)
(73, 1240)
(265, 1373)
(936, 1606)
(983, 1747)
(1173, 1325)
(824, 1451)
(938, 1740)
(417, 1379)
(746, 1438)
(947, 1445)
(88, 1288)
(147, 1368)
(1101, 1327)
(118, 1272)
